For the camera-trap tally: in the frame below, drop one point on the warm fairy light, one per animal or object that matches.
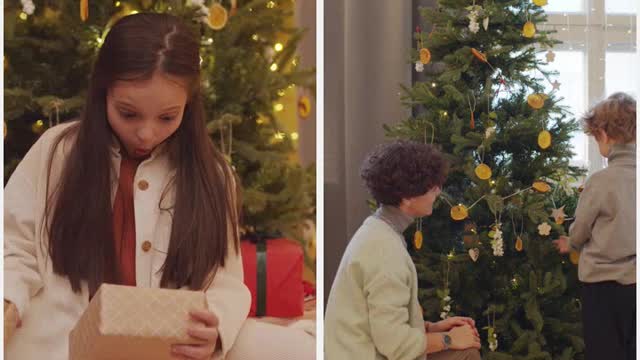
(294, 62)
(294, 136)
(278, 107)
(274, 67)
(254, 37)
(134, 12)
(271, 4)
(259, 121)
(201, 60)
(23, 15)
(433, 84)
(445, 114)
(118, 4)
(279, 135)
(278, 47)
(40, 123)
(210, 41)
(281, 93)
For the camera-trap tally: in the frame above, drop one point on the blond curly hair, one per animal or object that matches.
(615, 115)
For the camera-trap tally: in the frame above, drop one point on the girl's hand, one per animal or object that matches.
(9, 306)
(562, 245)
(207, 331)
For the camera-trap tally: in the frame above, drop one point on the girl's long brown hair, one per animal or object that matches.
(205, 214)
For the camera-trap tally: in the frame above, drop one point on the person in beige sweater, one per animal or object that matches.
(604, 233)
(373, 310)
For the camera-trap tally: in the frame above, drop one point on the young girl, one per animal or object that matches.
(134, 193)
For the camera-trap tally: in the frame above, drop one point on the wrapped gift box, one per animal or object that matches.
(273, 274)
(132, 323)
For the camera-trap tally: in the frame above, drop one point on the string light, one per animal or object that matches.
(254, 37)
(294, 136)
(271, 4)
(279, 135)
(259, 121)
(278, 107)
(274, 67)
(281, 93)
(23, 16)
(278, 47)
(118, 3)
(210, 41)
(433, 85)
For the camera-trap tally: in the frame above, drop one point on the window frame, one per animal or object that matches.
(594, 33)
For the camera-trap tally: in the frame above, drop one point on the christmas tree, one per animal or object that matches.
(249, 65)
(483, 95)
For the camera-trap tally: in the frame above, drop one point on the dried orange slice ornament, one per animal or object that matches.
(528, 30)
(425, 56)
(417, 239)
(459, 212)
(541, 186)
(536, 101)
(483, 172)
(544, 139)
(217, 16)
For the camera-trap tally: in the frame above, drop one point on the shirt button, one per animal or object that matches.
(146, 246)
(143, 185)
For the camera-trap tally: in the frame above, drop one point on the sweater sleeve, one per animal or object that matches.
(228, 297)
(388, 293)
(22, 278)
(586, 213)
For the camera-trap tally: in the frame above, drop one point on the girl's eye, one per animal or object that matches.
(167, 118)
(127, 115)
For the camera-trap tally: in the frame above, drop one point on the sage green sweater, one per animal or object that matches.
(373, 311)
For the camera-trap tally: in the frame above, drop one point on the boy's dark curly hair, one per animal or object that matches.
(402, 170)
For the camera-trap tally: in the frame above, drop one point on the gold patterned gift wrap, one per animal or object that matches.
(127, 323)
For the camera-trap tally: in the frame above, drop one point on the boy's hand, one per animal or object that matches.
(562, 244)
(449, 323)
(464, 337)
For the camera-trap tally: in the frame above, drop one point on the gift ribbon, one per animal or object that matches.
(261, 280)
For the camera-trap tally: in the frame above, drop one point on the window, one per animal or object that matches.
(603, 34)
(621, 6)
(619, 76)
(572, 66)
(564, 6)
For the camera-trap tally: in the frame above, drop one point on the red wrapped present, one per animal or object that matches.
(273, 274)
